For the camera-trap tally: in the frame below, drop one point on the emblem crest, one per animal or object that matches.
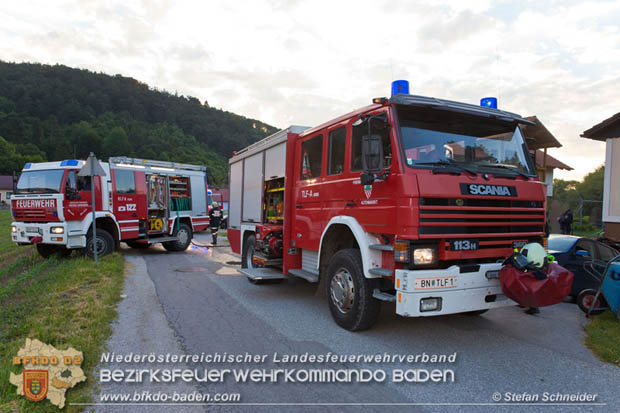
(36, 384)
(368, 191)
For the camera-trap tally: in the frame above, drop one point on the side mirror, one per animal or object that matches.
(372, 153)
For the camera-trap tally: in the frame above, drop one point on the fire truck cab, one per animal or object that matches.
(411, 200)
(139, 202)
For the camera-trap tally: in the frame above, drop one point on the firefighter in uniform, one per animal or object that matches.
(215, 218)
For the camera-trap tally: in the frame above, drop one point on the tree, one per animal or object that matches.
(10, 160)
(85, 140)
(565, 189)
(117, 142)
(592, 185)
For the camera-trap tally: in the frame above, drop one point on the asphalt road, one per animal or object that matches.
(195, 302)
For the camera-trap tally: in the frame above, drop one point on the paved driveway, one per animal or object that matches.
(198, 303)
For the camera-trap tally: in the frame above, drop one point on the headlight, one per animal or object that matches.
(13, 228)
(57, 230)
(430, 304)
(424, 256)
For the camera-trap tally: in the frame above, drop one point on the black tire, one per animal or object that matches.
(349, 293)
(184, 236)
(476, 313)
(584, 301)
(249, 246)
(104, 241)
(47, 250)
(138, 245)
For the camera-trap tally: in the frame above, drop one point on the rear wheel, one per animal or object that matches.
(249, 247)
(585, 300)
(138, 245)
(349, 293)
(103, 242)
(247, 257)
(184, 238)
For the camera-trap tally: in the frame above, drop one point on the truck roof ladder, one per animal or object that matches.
(124, 160)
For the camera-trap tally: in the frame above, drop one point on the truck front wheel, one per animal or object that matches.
(103, 242)
(184, 238)
(349, 293)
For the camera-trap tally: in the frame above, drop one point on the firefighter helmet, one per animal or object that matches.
(535, 254)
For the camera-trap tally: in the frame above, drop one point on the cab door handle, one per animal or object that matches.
(299, 206)
(351, 204)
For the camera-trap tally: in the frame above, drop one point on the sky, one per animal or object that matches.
(288, 62)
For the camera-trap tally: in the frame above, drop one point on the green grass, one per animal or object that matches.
(62, 302)
(603, 337)
(595, 233)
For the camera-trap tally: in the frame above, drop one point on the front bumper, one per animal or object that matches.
(459, 292)
(27, 231)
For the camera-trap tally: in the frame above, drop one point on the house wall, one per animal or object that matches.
(612, 230)
(3, 193)
(611, 198)
(546, 176)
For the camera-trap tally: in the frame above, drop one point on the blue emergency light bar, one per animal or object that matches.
(400, 86)
(489, 102)
(27, 166)
(70, 162)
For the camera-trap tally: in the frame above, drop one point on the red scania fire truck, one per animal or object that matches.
(139, 202)
(412, 200)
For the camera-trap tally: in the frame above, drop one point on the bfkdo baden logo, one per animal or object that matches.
(47, 372)
(35, 384)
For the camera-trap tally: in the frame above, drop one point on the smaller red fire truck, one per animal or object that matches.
(412, 200)
(139, 202)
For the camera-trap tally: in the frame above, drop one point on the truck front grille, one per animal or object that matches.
(463, 217)
(37, 214)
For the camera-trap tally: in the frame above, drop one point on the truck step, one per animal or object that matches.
(381, 247)
(380, 295)
(381, 272)
(156, 240)
(308, 276)
(259, 274)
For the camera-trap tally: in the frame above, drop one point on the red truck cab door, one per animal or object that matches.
(129, 201)
(78, 195)
(309, 218)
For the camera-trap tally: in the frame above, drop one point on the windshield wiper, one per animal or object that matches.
(505, 166)
(446, 163)
(38, 190)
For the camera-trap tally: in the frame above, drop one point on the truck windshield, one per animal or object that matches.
(472, 143)
(40, 182)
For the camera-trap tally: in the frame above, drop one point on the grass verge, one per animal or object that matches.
(62, 302)
(603, 337)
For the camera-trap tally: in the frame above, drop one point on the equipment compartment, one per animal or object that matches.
(274, 201)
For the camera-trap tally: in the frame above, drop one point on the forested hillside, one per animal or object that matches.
(56, 112)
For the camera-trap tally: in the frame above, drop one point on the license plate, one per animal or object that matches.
(436, 283)
(464, 245)
(32, 229)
